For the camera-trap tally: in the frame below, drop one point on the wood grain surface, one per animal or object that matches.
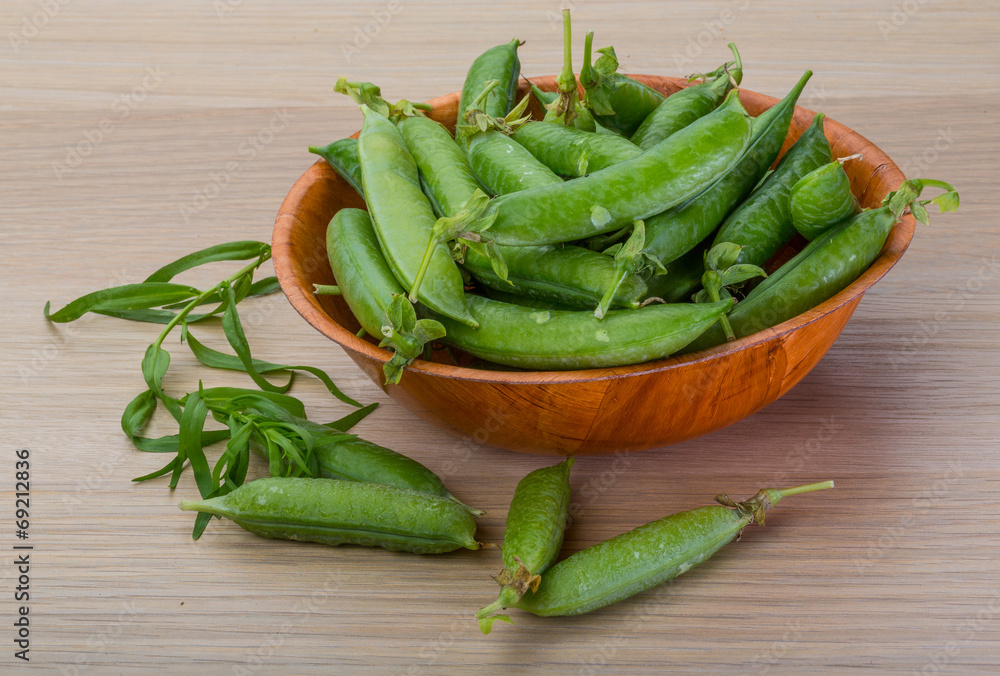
(133, 133)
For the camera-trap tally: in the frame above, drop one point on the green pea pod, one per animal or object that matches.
(684, 107)
(567, 340)
(442, 163)
(536, 522)
(404, 220)
(371, 290)
(569, 275)
(505, 166)
(649, 555)
(333, 512)
(497, 63)
(355, 459)
(525, 301)
(342, 155)
(573, 152)
(618, 102)
(763, 223)
(674, 233)
(558, 273)
(821, 199)
(826, 265)
(662, 177)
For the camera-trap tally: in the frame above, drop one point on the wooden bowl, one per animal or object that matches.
(625, 408)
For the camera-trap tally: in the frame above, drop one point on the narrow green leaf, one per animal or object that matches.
(153, 316)
(155, 363)
(200, 523)
(189, 446)
(227, 399)
(352, 419)
(169, 444)
(169, 467)
(231, 251)
(127, 297)
(238, 340)
(138, 413)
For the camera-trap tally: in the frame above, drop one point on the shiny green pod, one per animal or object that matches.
(687, 105)
(821, 199)
(354, 459)
(505, 166)
(671, 234)
(652, 182)
(496, 63)
(333, 512)
(364, 277)
(536, 522)
(342, 155)
(763, 223)
(367, 284)
(443, 165)
(648, 556)
(556, 340)
(565, 274)
(569, 151)
(403, 218)
(826, 265)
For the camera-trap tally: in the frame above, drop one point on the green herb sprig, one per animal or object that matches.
(268, 420)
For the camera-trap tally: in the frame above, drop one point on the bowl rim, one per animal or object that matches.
(287, 219)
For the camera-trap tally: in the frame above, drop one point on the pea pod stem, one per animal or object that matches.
(326, 290)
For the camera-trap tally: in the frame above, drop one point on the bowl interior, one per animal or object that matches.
(300, 248)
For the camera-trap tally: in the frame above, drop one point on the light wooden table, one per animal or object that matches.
(191, 121)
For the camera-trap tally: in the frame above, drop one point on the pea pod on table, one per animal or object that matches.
(648, 556)
(536, 522)
(617, 101)
(828, 264)
(662, 177)
(674, 233)
(685, 106)
(333, 512)
(763, 223)
(822, 198)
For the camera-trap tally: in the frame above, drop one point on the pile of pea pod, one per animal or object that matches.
(622, 227)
